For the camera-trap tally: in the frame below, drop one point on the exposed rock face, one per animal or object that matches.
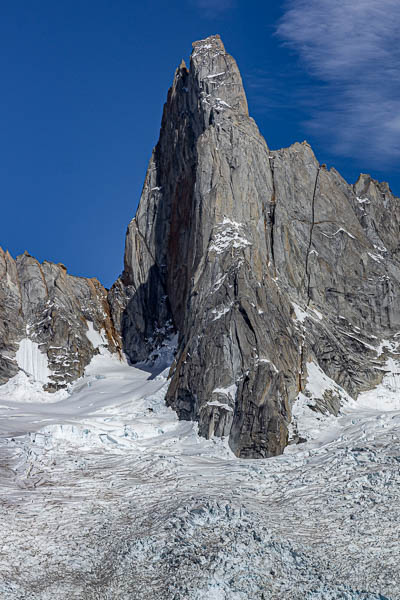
(327, 258)
(262, 261)
(65, 318)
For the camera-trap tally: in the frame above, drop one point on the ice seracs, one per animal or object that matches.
(239, 251)
(252, 306)
(105, 493)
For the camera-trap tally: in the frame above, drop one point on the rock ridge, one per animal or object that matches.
(262, 261)
(60, 320)
(267, 265)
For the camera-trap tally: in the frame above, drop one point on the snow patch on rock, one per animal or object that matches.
(301, 315)
(96, 338)
(229, 234)
(229, 391)
(307, 419)
(32, 361)
(386, 396)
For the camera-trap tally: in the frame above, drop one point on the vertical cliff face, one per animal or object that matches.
(269, 266)
(51, 323)
(201, 242)
(330, 257)
(263, 262)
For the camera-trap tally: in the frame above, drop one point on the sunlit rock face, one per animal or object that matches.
(263, 261)
(51, 323)
(267, 265)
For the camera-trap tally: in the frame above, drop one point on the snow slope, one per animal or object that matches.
(32, 361)
(104, 494)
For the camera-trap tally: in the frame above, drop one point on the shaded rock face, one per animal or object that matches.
(231, 243)
(262, 261)
(67, 318)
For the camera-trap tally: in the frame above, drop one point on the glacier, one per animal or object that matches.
(105, 494)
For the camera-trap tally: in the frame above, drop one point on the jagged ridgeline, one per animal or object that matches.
(264, 263)
(51, 323)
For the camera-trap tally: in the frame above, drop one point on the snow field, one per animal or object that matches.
(104, 494)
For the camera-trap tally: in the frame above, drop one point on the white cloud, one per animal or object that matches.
(352, 47)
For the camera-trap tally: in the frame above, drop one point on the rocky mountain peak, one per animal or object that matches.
(260, 300)
(263, 262)
(270, 268)
(58, 320)
(217, 77)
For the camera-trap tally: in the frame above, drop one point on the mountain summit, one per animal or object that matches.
(281, 280)
(266, 263)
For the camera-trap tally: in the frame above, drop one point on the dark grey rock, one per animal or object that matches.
(43, 303)
(262, 261)
(227, 236)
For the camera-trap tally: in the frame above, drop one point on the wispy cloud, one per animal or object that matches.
(268, 93)
(352, 48)
(213, 8)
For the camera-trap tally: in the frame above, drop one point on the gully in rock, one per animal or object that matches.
(196, 258)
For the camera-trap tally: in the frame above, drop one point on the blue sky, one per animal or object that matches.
(83, 84)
